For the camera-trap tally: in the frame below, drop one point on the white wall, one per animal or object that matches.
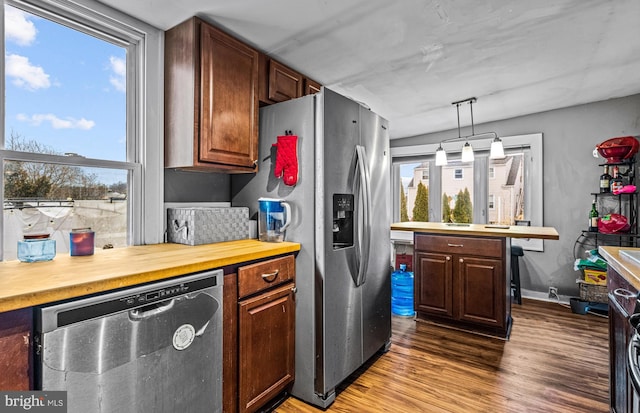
(570, 176)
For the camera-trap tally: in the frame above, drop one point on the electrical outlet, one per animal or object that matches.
(553, 292)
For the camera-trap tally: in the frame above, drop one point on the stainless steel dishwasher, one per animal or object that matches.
(151, 348)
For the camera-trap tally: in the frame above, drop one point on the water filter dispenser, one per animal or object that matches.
(342, 221)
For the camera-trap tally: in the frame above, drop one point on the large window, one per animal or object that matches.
(79, 140)
(485, 191)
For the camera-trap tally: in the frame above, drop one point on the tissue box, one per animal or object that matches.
(196, 226)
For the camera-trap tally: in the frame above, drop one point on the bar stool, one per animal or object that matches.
(516, 251)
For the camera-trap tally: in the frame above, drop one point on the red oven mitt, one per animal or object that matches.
(287, 159)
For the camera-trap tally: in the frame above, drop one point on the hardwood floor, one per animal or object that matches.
(555, 361)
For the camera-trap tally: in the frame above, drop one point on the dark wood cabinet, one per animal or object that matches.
(622, 302)
(284, 83)
(266, 331)
(462, 281)
(311, 86)
(279, 82)
(211, 100)
(267, 346)
(481, 297)
(15, 354)
(434, 284)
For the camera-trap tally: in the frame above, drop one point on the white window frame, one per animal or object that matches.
(492, 172)
(145, 107)
(458, 174)
(534, 203)
(492, 201)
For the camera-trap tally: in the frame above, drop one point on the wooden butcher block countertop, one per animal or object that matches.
(513, 231)
(27, 284)
(628, 268)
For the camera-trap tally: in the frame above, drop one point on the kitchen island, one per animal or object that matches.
(462, 276)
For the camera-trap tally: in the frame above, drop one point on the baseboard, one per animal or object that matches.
(542, 296)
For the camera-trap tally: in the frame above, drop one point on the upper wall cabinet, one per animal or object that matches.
(311, 86)
(279, 82)
(211, 100)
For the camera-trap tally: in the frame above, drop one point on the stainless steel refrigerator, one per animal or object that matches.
(341, 217)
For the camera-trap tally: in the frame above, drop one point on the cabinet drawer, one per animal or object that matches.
(484, 247)
(621, 291)
(262, 275)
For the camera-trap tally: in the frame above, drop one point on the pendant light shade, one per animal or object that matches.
(441, 157)
(497, 150)
(467, 153)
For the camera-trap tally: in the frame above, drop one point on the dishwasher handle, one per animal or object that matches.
(151, 310)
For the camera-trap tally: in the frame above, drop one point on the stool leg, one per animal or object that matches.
(515, 279)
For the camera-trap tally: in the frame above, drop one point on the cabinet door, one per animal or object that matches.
(311, 86)
(619, 336)
(267, 346)
(480, 292)
(433, 284)
(284, 83)
(15, 342)
(228, 100)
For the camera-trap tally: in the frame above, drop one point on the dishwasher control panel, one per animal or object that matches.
(58, 315)
(160, 294)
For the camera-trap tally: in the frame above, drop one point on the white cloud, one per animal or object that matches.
(56, 122)
(24, 74)
(18, 27)
(119, 76)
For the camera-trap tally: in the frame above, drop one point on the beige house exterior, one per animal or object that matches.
(506, 192)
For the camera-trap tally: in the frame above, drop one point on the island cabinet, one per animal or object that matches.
(462, 281)
(211, 100)
(622, 303)
(259, 333)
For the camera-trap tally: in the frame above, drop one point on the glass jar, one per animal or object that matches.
(35, 248)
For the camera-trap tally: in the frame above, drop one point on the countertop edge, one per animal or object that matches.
(182, 260)
(513, 231)
(624, 266)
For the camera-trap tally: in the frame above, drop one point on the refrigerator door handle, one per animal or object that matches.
(364, 230)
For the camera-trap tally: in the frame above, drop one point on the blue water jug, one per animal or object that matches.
(402, 292)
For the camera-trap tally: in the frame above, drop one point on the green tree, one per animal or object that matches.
(404, 215)
(446, 209)
(421, 206)
(463, 209)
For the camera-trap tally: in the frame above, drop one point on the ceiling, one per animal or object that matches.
(408, 60)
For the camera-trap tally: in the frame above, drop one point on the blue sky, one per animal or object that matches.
(64, 89)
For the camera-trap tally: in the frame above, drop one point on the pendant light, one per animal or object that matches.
(467, 153)
(441, 157)
(496, 152)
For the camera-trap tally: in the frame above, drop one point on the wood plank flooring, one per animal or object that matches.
(555, 361)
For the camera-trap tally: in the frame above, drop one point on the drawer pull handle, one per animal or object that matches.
(270, 277)
(624, 293)
(455, 245)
